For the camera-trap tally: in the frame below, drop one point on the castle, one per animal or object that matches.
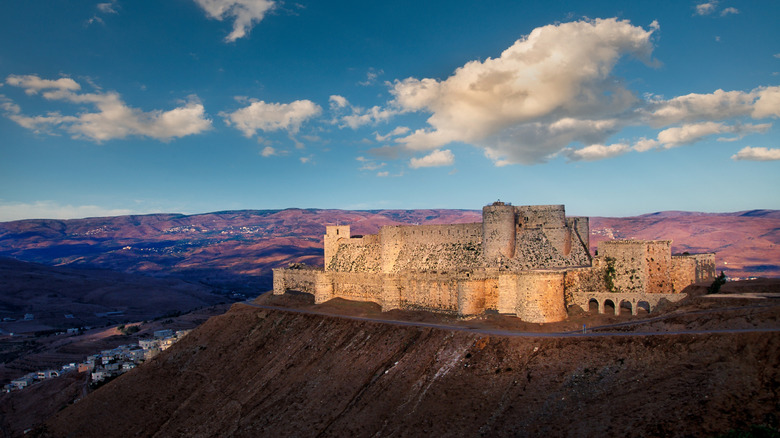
(528, 261)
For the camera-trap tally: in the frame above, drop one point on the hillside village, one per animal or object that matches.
(107, 364)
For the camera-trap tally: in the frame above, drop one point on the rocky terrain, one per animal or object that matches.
(284, 373)
(21, 410)
(265, 372)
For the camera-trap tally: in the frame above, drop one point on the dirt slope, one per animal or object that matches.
(254, 372)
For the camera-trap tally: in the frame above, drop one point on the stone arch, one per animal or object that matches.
(609, 304)
(625, 304)
(644, 306)
(593, 305)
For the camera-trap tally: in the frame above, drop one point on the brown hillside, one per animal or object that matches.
(254, 372)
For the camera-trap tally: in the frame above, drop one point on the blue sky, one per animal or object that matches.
(611, 108)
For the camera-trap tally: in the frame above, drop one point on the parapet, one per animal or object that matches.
(541, 216)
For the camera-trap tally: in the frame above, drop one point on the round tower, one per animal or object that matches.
(498, 231)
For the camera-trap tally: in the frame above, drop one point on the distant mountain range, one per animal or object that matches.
(236, 250)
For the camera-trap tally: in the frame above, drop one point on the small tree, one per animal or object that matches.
(720, 280)
(609, 274)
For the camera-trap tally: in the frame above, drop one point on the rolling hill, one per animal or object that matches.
(236, 250)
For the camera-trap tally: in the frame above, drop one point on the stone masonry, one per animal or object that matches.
(528, 261)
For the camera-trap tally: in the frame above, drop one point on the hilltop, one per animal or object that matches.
(267, 372)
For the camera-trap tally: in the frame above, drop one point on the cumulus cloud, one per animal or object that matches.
(245, 13)
(268, 151)
(54, 210)
(107, 8)
(337, 102)
(558, 74)
(33, 84)
(759, 103)
(259, 115)
(436, 158)
(346, 115)
(757, 154)
(596, 152)
(400, 130)
(706, 8)
(113, 119)
(688, 134)
(691, 133)
(555, 87)
(709, 8)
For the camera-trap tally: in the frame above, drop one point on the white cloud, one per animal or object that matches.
(693, 132)
(371, 77)
(263, 116)
(400, 130)
(436, 158)
(596, 152)
(337, 101)
(383, 174)
(268, 151)
(53, 210)
(369, 164)
(357, 116)
(757, 154)
(557, 81)
(33, 84)
(645, 144)
(107, 8)
(361, 117)
(530, 104)
(113, 118)
(767, 104)
(728, 11)
(688, 134)
(245, 13)
(706, 8)
(759, 103)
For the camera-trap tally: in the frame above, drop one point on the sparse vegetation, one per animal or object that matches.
(128, 330)
(609, 274)
(719, 281)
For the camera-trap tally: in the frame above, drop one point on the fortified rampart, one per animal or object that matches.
(528, 261)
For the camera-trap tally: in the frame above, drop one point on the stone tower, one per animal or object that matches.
(499, 231)
(333, 233)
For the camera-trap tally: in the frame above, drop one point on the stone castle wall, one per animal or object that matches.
(533, 296)
(640, 266)
(530, 261)
(659, 264)
(430, 247)
(688, 269)
(624, 265)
